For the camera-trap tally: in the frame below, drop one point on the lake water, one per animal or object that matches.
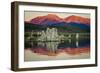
(59, 50)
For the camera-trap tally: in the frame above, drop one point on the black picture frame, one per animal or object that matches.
(15, 31)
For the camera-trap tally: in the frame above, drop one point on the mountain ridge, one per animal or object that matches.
(52, 19)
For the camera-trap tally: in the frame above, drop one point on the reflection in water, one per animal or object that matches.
(52, 46)
(61, 46)
(69, 49)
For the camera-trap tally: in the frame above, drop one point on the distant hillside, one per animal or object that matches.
(52, 19)
(69, 24)
(62, 27)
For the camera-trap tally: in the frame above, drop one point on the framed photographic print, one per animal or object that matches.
(52, 36)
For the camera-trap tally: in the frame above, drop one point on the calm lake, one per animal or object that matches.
(58, 50)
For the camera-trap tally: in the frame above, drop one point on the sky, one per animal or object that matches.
(28, 15)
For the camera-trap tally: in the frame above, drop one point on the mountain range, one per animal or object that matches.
(71, 23)
(51, 18)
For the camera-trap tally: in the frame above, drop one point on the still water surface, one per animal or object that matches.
(59, 50)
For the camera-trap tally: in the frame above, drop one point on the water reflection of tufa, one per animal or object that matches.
(54, 48)
(50, 46)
